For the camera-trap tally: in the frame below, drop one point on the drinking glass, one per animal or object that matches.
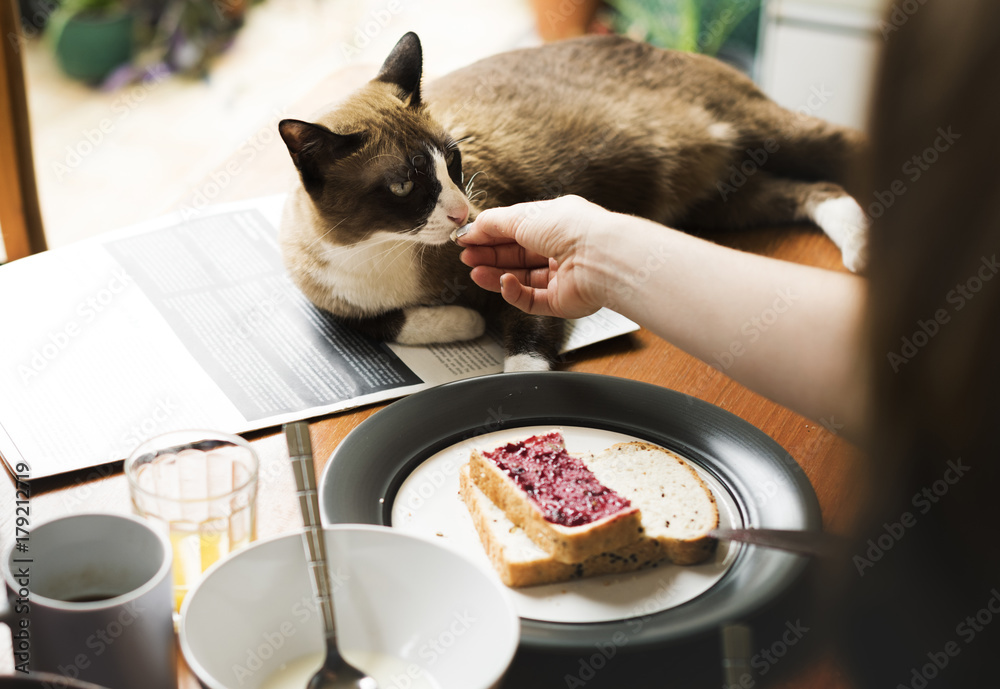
(200, 488)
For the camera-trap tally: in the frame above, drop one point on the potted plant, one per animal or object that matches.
(722, 28)
(114, 42)
(91, 38)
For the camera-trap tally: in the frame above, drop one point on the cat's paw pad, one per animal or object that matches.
(845, 223)
(434, 324)
(525, 362)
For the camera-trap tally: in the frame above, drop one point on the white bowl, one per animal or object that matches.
(405, 596)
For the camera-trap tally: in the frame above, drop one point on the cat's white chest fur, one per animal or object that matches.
(385, 273)
(378, 274)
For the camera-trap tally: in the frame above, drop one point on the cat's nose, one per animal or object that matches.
(459, 215)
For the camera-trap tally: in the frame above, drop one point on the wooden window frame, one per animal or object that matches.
(20, 215)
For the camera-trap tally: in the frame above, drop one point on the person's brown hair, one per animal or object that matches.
(934, 338)
(935, 309)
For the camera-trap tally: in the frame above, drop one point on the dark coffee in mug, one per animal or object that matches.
(92, 600)
(89, 597)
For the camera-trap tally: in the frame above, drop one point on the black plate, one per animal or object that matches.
(364, 473)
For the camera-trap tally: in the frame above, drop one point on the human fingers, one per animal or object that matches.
(533, 300)
(502, 255)
(491, 227)
(489, 277)
(539, 300)
(548, 228)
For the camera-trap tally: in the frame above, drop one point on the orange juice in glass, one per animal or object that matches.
(200, 488)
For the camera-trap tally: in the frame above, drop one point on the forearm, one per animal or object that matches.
(787, 331)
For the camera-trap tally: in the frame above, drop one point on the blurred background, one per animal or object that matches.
(131, 104)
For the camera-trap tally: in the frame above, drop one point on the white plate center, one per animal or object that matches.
(428, 503)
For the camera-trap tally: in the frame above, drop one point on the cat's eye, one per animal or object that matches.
(401, 188)
(450, 158)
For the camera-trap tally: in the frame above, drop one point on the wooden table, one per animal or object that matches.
(832, 464)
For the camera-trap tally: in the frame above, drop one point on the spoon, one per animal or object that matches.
(336, 672)
(815, 543)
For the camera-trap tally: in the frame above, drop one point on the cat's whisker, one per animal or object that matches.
(468, 185)
(382, 261)
(386, 261)
(414, 230)
(386, 155)
(423, 250)
(347, 252)
(322, 236)
(344, 250)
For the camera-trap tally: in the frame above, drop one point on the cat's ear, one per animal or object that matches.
(403, 68)
(312, 146)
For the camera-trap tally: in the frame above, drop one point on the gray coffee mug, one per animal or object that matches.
(89, 597)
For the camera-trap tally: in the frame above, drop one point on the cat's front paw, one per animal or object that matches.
(435, 324)
(855, 253)
(845, 223)
(526, 362)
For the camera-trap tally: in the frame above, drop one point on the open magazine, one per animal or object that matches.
(187, 322)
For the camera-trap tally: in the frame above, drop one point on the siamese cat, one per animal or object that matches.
(390, 172)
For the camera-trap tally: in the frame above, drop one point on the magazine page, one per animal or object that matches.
(191, 322)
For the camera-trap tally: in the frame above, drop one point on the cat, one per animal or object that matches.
(390, 172)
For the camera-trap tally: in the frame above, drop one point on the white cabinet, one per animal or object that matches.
(818, 56)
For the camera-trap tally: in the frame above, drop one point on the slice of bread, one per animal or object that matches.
(678, 510)
(520, 562)
(565, 543)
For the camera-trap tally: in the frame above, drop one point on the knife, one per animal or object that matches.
(815, 543)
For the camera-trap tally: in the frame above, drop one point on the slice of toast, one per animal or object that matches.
(520, 562)
(531, 493)
(678, 510)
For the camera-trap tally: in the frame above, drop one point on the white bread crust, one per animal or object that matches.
(678, 508)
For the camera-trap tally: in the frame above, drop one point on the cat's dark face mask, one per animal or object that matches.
(379, 164)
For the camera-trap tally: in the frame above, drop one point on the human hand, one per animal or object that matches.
(541, 256)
